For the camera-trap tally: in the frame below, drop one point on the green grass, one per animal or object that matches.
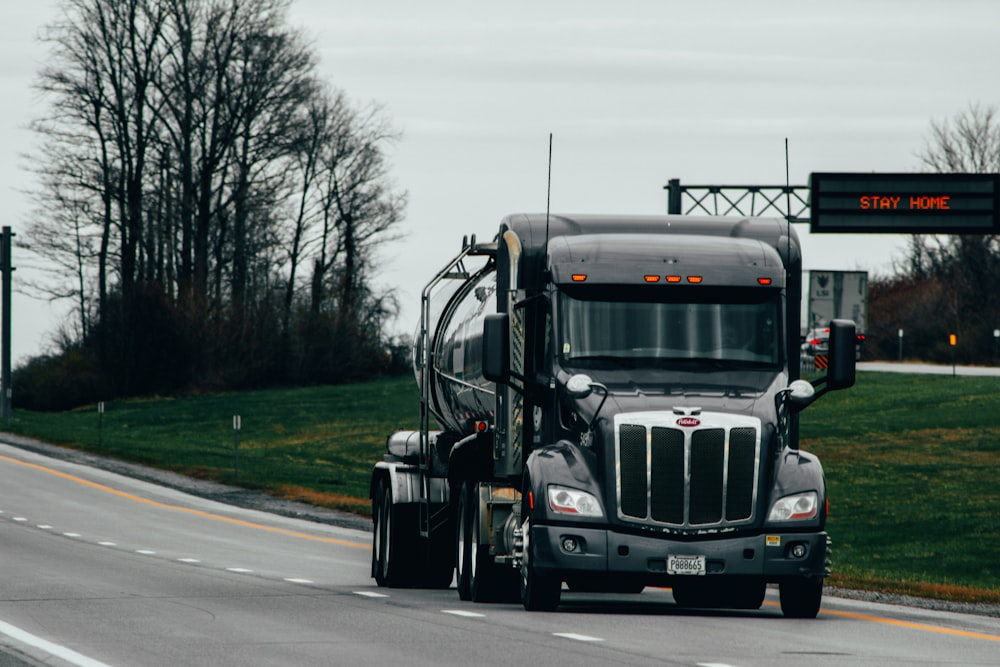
(316, 444)
(911, 462)
(911, 466)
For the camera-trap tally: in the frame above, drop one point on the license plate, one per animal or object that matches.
(684, 564)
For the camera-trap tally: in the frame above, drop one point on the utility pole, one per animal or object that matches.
(6, 241)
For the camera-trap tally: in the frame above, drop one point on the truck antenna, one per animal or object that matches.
(788, 205)
(788, 193)
(548, 196)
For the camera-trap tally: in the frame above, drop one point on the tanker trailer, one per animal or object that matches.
(609, 403)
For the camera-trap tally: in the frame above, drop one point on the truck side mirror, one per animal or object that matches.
(841, 371)
(496, 348)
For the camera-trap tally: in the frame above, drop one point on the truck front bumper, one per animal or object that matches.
(774, 556)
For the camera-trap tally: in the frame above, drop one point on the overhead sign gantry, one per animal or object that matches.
(858, 202)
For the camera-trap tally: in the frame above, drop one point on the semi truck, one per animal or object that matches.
(609, 403)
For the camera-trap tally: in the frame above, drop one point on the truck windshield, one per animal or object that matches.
(732, 328)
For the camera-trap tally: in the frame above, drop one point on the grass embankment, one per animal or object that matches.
(914, 485)
(910, 462)
(316, 444)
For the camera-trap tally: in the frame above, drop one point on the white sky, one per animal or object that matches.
(634, 92)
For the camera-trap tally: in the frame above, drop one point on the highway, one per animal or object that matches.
(101, 569)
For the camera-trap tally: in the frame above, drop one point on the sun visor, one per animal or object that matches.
(627, 259)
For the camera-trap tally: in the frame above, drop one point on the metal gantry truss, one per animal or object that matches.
(790, 202)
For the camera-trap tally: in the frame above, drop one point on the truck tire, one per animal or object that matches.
(539, 591)
(440, 567)
(800, 597)
(393, 539)
(479, 578)
(463, 544)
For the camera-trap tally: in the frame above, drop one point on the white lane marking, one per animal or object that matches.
(463, 613)
(145, 552)
(293, 580)
(107, 544)
(52, 649)
(713, 664)
(44, 527)
(576, 637)
(72, 535)
(370, 594)
(238, 570)
(189, 560)
(20, 519)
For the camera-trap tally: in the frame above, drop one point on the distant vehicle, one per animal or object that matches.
(836, 295)
(817, 342)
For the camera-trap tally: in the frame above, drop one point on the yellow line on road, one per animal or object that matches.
(914, 626)
(186, 510)
(906, 624)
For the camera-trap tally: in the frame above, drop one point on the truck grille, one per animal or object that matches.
(701, 476)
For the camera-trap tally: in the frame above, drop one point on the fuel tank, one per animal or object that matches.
(457, 393)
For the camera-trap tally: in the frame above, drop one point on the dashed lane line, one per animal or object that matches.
(176, 508)
(577, 637)
(463, 613)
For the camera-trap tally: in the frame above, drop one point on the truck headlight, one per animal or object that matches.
(564, 500)
(796, 507)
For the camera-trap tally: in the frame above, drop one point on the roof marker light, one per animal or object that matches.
(579, 277)
(694, 279)
(673, 279)
(652, 279)
(764, 281)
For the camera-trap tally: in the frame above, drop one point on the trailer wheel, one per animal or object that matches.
(440, 568)
(464, 544)
(539, 591)
(392, 541)
(800, 597)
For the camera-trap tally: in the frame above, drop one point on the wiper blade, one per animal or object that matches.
(600, 361)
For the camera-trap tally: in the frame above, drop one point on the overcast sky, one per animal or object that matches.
(635, 93)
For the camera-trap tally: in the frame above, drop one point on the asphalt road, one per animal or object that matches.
(102, 569)
(928, 369)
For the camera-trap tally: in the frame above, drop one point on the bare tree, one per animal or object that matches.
(191, 164)
(968, 265)
(969, 143)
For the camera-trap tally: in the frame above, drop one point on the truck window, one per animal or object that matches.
(600, 327)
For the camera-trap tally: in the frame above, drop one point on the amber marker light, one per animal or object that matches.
(652, 279)
(694, 279)
(764, 281)
(673, 279)
(579, 277)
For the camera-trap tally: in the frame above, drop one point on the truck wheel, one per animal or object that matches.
(539, 591)
(440, 561)
(801, 597)
(463, 544)
(392, 541)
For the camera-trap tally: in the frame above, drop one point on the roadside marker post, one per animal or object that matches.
(237, 424)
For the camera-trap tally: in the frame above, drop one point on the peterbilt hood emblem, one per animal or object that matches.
(688, 421)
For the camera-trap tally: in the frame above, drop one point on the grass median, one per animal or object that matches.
(911, 462)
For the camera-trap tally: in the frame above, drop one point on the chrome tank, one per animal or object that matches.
(458, 394)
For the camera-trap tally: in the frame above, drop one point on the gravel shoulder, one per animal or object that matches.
(258, 500)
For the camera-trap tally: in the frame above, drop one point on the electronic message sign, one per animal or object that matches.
(904, 203)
